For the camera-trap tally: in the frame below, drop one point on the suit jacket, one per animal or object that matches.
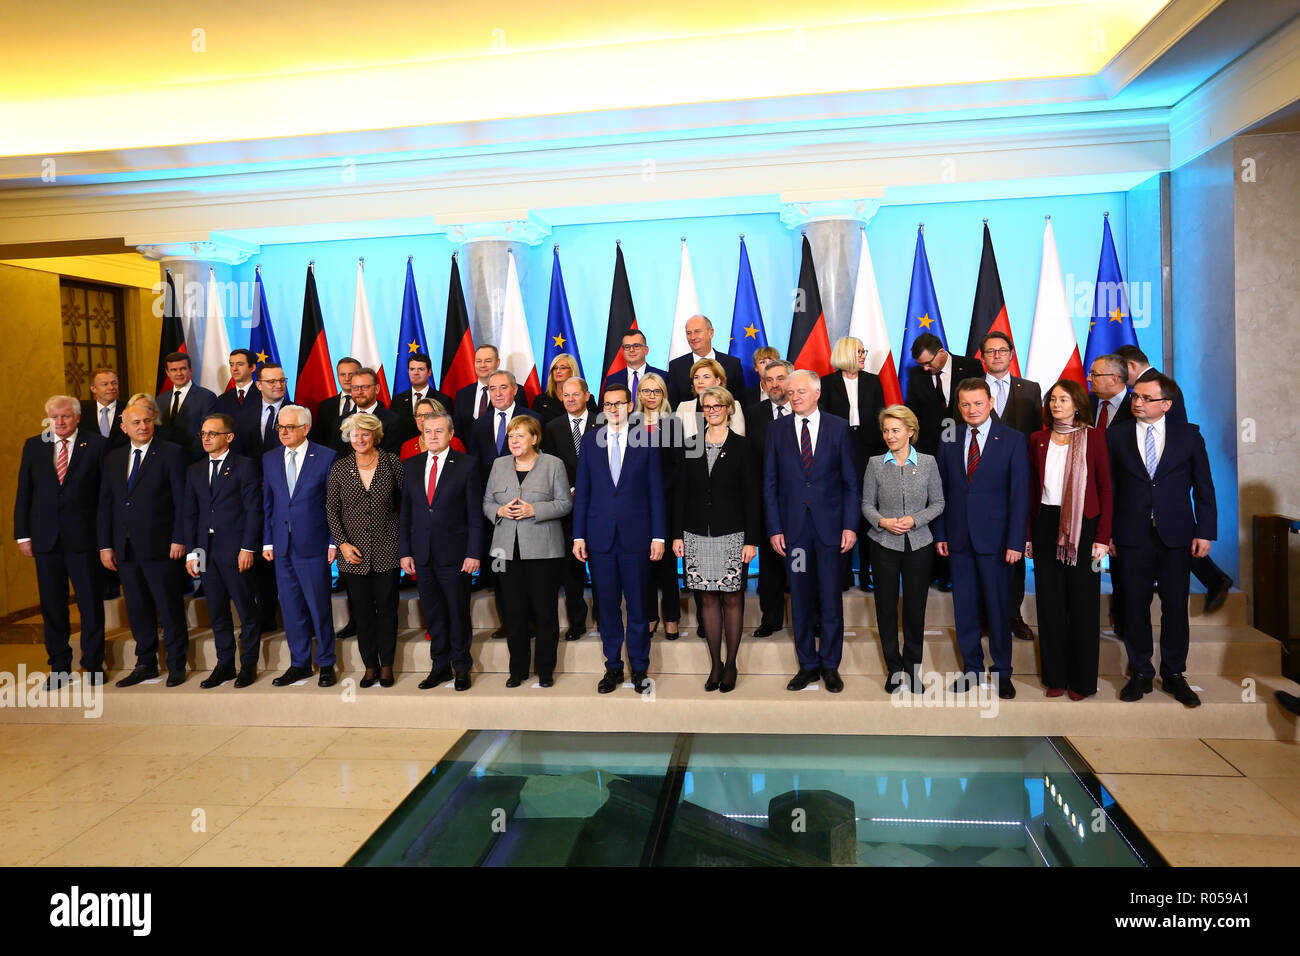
(891, 492)
(557, 440)
(826, 498)
(231, 507)
(1182, 476)
(299, 517)
(1125, 413)
(1098, 502)
(251, 439)
(60, 516)
(549, 409)
(871, 402)
(365, 517)
(184, 430)
(90, 422)
(680, 387)
(621, 378)
(483, 437)
(150, 514)
(466, 403)
(722, 500)
(990, 513)
(546, 488)
(924, 401)
(631, 512)
(1024, 408)
(445, 533)
(325, 420)
(391, 442)
(228, 401)
(403, 408)
(1177, 410)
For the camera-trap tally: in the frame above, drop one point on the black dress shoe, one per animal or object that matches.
(573, 634)
(728, 683)
(715, 678)
(1020, 629)
(803, 678)
(1288, 701)
(94, 677)
(499, 634)
(349, 630)
(1215, 597)
(1176, 684)
(546, 680)
(514, 681)
(292, 676)
(370, 678)
(672, 635)
(386, 678)
(246, 676)
(56, 680)
(1006, 689)
(1136, 688)
(764, 631)
(462, 681)
(641, 683)
(327, 678)
(175, 678)
(138, 676)
(831, 680)
(220, 674)
(893, 682)
(965, 683)
(611, 682)
(269, 625)
(436, 677)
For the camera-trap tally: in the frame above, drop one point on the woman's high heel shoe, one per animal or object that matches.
(386, 677)
(369, 678)
(715, 678)
(728, 683)
(671, 635)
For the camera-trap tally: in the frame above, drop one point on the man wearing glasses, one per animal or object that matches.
(635, 351)
(1165, 516)
(1109, 388)
(296, 538)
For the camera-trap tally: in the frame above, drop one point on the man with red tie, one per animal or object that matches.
(242, 387)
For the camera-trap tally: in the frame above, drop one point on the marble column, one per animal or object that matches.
(834, 231)
(484, 262)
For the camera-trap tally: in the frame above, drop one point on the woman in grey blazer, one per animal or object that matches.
(525, 497)
(901, 495)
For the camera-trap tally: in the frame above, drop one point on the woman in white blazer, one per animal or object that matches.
(708, 373)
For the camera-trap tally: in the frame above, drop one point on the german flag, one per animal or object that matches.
(810, 346)
(315, 370)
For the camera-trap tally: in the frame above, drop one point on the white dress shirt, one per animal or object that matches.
(1053, 473)
(945, 380)
(852, 387)
(780, 411)
(184, 393)
(478, 397)
(1116, 402)
(111, 407)
(1005, 397)
(814, 423)
(130, 457)
(983, 429)
(428, 464)
(1159, 426)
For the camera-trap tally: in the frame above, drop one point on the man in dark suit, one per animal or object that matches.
(1107, 381)
(223, 532)
(296, 538)
(242, 387)
(699, 335)
(103, 413)
(141, 537)
(440, 543)
(620, 524)
(330, 413)
(255, 425)
(812, 500)
(183, 407)
(563, 439)
(365, 396)
(771, 566)
(931, 387)
(985, 474)
(55, 517)
(472, 400)
(418, 368)
(634, 355)
(1159, 469)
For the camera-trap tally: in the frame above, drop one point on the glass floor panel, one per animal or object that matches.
(534, 798)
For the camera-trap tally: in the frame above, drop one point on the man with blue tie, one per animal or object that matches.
(141, 535)
(1159, 469)
(54, 522)
(223, 530)
(985, 475)
(635, 351)
(619, 525)
(297, 539)
(811, 497)
(103, 412)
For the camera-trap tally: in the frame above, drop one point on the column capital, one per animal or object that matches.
(512, 225)
(798, 212)
(231, 252)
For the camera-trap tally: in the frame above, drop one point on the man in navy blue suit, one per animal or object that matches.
(255, 435)
(141, 535)
(634, 356)
(296, 538)
(619, 525)
(985, 474)
(439, 542)
(242, 388)
(811, 493)
(54, 522)
(223, 532)
(182, 408)
(1159, 467)
(472, 400)
(699, 335)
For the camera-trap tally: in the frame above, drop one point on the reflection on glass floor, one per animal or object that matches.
(530, 798)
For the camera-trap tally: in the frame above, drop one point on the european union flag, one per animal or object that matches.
(559, 327)
(261, 337)
(1111, 325)
(922, 309)
(747, 333)
(410, 337)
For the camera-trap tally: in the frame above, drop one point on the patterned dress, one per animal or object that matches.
(714, 564)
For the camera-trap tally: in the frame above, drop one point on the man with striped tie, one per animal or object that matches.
(563, 439)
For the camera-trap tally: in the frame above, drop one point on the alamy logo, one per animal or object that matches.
(74, 908)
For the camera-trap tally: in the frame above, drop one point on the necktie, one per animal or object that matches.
(482, 402)
(636, 378)
(577, 436)
(103, 422)
(268, 430)
(433, 477)
(938, 387)
(135, 470)
(291, 472)
(615, 458)
(176, 404)
(348, 408)
(61, 466)
(239, 395)
(1103, 419)
(1002, 396)
(1152, 460)
(415, 400)
(973, 456)
(780, 411)
(212, 478)
(805, 447)
(501, 432)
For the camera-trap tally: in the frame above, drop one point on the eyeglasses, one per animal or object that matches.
(713, 408)
(274, 381)
(997, 352)
(1139, 398)
(652, 391)
(634, 347)
(610, 406)
(1102, 375)
(213, 434)
(288, 428)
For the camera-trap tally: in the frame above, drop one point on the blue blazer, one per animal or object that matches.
(231, 507)
(54, 516)
(150, 513)
(829, 497)
(450, 530)
(303, 515)
(482, 438)
(1183, 476)
(988, 515)
(634, 510)
(184, 431)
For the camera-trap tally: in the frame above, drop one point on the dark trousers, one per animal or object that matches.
(913, 567)
(224, 583)
(574, 577)
(1069, 622)
(814, 573)
(54, 569)
(303, 581)
(1153, 568)
(444, 601)
(617, 576)
(531, 589)
(268, 593)
(664, 588)
(1017, 595)
(374, 612)
(153, 590)
(980, 582)
(771, 586)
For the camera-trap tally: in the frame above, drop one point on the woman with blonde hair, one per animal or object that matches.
(549, 404)
(655, 415)
(707, 373)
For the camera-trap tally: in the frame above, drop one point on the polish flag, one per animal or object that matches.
(516, 347)
(868, 324)
(1053, 349)
(214, 374)
(688, 304)
(365, 348)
